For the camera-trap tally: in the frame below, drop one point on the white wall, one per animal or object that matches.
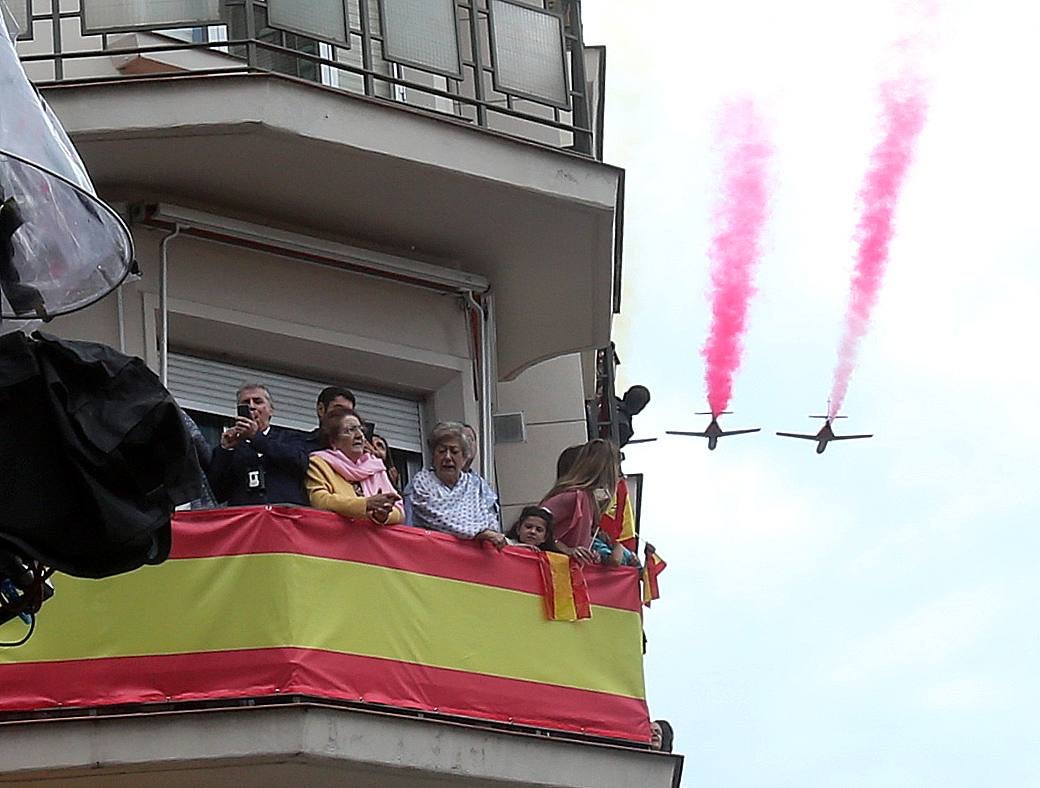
(550, 395)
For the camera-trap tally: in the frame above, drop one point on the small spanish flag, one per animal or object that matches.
(566, 593)
(619, 520)
(653, 565)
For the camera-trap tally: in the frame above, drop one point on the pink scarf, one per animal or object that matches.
(367, 470)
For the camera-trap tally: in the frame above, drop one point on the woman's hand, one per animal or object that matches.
(378, 506)
(582, 555)
(496, 538)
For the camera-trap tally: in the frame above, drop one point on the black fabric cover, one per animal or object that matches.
(93, 457)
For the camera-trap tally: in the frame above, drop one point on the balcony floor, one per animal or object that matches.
(301, 744)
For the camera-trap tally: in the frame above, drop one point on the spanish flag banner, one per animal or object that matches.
(566, 592)
(653, 565)
(619, 520)
(261, 602)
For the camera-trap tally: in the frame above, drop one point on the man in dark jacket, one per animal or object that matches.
(333, 400)
(255, 462)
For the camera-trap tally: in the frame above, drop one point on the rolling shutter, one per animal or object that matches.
(209, 386)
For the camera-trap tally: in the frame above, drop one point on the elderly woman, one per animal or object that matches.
(446, 498)
(346, 479)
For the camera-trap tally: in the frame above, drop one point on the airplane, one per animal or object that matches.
(713, 431)
(826, 433)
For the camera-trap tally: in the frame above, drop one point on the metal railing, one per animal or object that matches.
(57, 46)
(601, 411)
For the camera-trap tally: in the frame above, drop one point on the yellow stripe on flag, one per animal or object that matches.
(564, 608)
(275, 600)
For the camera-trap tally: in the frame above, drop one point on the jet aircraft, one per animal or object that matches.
(713, 431)
(826, 433)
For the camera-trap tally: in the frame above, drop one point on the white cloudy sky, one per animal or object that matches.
(867, 617)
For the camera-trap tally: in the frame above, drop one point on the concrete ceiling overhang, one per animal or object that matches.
(538, 223)
(312, 745)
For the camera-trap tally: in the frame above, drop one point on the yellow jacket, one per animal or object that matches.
(331, 492)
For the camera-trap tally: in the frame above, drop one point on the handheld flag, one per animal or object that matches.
(653, 565)
(619, 520)
(566, 593)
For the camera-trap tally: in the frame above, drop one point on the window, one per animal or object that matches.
(206, 390)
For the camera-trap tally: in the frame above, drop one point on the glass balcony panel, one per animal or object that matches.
(101, 16)
(20, 11)
(375, 24)
(528, 54)
(325, 20)
(422, 33)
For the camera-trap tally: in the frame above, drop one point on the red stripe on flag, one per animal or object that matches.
(581, 591)
(251, 530)
(549, 588)
(326, 674)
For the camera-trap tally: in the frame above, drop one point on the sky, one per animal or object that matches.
(865, 617)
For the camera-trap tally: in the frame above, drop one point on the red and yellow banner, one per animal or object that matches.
(261, 601)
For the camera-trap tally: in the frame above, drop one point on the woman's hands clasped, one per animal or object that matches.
(379, 506)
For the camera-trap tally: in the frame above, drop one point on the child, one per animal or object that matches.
(533, 529)
(611, 553)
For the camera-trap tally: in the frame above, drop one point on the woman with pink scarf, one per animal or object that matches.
(346, 479)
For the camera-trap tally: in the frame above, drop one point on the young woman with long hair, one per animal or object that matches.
(581, 495)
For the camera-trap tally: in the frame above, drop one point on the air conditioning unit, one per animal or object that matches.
(510, 428)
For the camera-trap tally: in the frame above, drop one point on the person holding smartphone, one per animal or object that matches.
(255, 462)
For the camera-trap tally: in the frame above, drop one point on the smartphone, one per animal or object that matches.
(370, 429)
(244, 411)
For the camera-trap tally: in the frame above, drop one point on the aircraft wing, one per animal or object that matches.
(796, 435)
(849, 437)
(739, 432)
(694, 434)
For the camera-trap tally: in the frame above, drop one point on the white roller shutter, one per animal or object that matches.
(209, 386)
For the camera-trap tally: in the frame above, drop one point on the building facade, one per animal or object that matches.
(404, 198)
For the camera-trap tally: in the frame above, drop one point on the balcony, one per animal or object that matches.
(299, 644)
(486, 162)
(511, 66)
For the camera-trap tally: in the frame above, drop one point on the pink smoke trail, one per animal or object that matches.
(903, 110)
(739, 218)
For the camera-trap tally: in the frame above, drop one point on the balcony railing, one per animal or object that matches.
(262, 603)
(512, 66)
